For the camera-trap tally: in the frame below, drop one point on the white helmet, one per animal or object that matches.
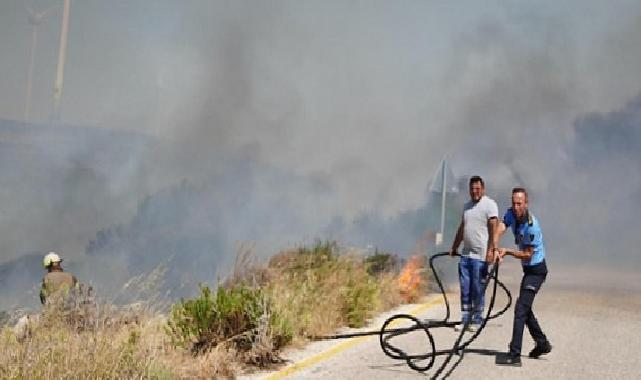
(51, 258)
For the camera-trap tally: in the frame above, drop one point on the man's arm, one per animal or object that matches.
(492, 225)
(43, 291)
(496, 237)
(498, 232)
(457, 239)
(528, 249)
(523, 255)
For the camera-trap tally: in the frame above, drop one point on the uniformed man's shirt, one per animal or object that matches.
(526, 234)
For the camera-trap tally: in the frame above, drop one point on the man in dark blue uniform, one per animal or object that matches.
(531, 251)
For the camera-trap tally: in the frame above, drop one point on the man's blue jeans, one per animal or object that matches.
(472, 278)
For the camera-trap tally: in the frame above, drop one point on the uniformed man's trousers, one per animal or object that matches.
(533, 278)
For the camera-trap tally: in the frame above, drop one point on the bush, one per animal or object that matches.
(206, 321)
(320, 257)
(317, 289)
(381, 262)
(361, 298)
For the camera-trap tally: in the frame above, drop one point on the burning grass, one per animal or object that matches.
(236, 327)
(412, 280)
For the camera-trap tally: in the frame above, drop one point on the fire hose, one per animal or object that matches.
(386, 333)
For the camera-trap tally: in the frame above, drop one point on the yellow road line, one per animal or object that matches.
(290, 369)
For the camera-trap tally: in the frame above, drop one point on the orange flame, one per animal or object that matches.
(409, 280)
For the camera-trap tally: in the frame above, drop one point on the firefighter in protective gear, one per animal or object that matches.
(56, 284)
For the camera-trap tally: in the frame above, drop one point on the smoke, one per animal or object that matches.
(208, 124)
(597, 197)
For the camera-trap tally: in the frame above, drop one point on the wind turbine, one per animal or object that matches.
(35, 19)
(62, 53)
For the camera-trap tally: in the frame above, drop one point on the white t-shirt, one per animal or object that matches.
(475, 233)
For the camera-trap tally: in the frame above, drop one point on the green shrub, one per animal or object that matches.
(282, 329)
(361, 299)
(206, 321)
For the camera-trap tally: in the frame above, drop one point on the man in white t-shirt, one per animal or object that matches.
(480, 218)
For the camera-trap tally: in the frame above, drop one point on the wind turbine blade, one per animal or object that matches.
(44, 13)
(30, 12)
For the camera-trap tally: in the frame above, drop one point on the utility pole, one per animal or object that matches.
(439, 236)
(62, 52)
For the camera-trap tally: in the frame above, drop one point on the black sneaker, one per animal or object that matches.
(540, 349)
(508, 360)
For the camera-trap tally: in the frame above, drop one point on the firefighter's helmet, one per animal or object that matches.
(51, 258)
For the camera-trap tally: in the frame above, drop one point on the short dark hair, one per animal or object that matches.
(475, 179)
(520, 190)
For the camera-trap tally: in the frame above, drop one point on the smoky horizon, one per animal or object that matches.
(187, 131)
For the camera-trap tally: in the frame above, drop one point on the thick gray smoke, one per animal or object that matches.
(596, 199)
(189, 127)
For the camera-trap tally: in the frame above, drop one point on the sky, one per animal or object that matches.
(349, 105)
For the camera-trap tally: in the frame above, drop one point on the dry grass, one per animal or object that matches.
(54, 349)
(307, 291)
(316, 291)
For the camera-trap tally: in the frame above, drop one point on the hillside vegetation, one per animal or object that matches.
(238, 326)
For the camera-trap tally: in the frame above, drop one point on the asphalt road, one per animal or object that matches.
(592, 318)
